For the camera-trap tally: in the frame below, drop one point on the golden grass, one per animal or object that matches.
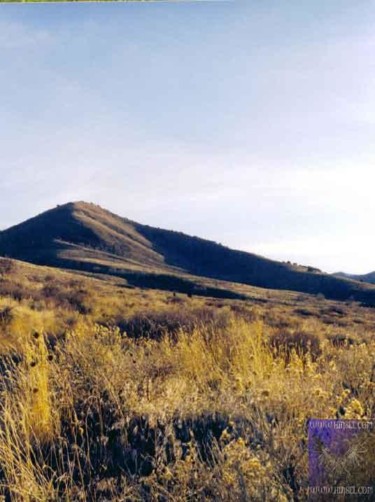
(214, 411)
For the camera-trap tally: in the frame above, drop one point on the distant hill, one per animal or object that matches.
(86, 237)
(370, 278)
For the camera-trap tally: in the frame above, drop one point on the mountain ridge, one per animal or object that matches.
(84, 236)
(369, 278)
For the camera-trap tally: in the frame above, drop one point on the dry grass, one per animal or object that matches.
(149, 396)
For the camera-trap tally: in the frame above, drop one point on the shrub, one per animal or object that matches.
(305, 312)
(341, 340)
(303, 342)
(6, 267)
(6, 316)
(155, 325)
(75, 299)
(14, 290)
(334, 310)
(78, 300)
(245, 313)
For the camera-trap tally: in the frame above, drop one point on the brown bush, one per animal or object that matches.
(16, 291)
(69, 298)
(6, 316)
(303, 342)
(334, 310)
(305, 312)
(6, 267)
(244, 313)
(155, 325)
(341, 340)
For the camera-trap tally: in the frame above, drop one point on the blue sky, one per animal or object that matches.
(247, 122)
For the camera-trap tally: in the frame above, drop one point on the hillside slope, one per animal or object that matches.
(86, 237)
(370, 278)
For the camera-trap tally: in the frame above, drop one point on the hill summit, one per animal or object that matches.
(86, 237)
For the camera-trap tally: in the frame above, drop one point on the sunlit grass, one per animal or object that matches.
(201, 398)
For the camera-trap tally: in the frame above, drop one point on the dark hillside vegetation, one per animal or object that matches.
(205, 258)
(370, 278)
(86, 237)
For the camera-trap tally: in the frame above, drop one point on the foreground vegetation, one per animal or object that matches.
(115, 393)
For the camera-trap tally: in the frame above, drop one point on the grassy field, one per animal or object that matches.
(110, 392)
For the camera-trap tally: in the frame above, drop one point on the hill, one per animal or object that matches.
(370, 278)
(85, 237)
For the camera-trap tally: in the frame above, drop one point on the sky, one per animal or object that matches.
(250, 123)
